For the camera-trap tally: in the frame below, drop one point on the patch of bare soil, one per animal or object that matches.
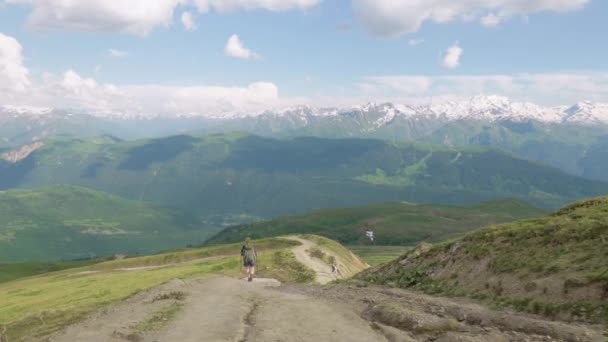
(117, 323)
(426, 318)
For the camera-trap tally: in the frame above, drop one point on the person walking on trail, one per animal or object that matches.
(249, 255)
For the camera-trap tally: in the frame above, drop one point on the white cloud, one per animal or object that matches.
(451, 59)
(138, 17)
(236, 48)
(71, 90)
(117, 53)
(188, 21)
(491, 19)
(392, 18)
(414, 42)
(546, 88)
(270, 5)
(13, 74)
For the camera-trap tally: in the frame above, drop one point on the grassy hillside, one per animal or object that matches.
(562, 146)
(554, 265)
(66, 222)
(36, 306)
(392, 223)
(236, 178)
(12, 271)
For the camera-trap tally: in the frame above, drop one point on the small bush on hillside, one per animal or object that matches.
(316, 252)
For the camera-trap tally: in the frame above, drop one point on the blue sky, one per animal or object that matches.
(304, 51)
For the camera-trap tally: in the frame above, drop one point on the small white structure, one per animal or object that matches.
(370, 235)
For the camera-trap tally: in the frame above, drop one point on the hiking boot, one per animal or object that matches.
(250, 278)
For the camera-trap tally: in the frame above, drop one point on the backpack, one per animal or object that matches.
(248, 253)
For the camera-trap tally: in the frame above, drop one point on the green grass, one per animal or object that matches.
(9, 272)
(393, 223)
(349, 264)
(66, 223)
(376, 255)
(559, 261)
(36, 306)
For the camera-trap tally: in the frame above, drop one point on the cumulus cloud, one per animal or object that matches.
(188, 21)
(392, 18)
(13, 74)
(547, 88)
(236, 48)
(451, 59)
(117, 53)
(72, 90)
(138, 17)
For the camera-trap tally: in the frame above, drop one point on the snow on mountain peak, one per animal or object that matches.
(587, 112)
(26, 110)
(488, 108)
(493, 108)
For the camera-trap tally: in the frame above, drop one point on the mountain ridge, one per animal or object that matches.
(260, 177)
(480, 107)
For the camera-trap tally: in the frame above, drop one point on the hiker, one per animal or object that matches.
(249, 255)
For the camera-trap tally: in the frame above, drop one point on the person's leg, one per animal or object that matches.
(252, 270)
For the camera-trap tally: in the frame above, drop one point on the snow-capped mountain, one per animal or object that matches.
(573, 138)
(587, 113)
(496, 108)
(479, 108)
(24, 110)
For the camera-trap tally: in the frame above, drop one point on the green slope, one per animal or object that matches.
(392, 223)
(65, 222)
(237, 177)
(579, 150)
(554, 265)
(12, 271)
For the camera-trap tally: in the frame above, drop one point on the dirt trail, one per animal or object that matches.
(323, 271)
(217, 308)
(226, 309)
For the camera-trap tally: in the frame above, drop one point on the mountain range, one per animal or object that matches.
(241, 177)
(572, 138)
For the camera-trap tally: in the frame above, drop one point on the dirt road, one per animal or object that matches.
(323, 271)
(225, 309)
(218, 308)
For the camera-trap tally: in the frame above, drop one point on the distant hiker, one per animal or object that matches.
(249, 255)
(334, 269)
